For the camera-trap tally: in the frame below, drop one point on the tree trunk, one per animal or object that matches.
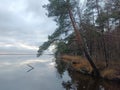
(105, 51)
(102, 31)
(81, 42)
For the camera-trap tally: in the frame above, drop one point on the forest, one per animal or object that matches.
(87, 36)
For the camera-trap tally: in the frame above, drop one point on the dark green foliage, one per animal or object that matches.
(98, 22)
(58, 10)
(43, 47)
(62, 47)
(102, 18)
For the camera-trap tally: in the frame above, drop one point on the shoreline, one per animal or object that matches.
(80, 65)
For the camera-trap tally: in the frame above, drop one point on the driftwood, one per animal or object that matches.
(31, 67)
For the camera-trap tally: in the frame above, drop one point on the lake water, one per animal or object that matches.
(16, 74)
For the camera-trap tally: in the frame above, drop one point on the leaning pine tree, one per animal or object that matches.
(64, 12)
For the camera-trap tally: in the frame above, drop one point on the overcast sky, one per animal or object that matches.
(23, 25)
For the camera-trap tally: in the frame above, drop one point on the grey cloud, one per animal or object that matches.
(36, 6)
(24, 21)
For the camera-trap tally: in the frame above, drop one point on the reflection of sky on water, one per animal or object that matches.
(14, 75)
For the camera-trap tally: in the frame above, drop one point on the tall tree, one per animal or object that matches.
(64, 12)
(94, 29)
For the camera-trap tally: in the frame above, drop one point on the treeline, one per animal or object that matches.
(90, 28)
(102, 25)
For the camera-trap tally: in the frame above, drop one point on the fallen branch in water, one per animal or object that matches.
(31, 67)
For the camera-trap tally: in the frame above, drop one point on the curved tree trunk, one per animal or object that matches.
(81, 42)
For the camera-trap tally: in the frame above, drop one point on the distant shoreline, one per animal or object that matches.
(17, 54)
(24, 54)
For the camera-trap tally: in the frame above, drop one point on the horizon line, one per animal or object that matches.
(23, 54)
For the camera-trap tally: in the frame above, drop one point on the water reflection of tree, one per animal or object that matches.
(81, 82)
(60, 66)
(78, 81)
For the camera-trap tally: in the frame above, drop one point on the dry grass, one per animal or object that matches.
(68, 58)
(108, 73)
(77, 62)
(112, 71)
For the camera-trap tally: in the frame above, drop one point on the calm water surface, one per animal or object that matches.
(15, 74)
